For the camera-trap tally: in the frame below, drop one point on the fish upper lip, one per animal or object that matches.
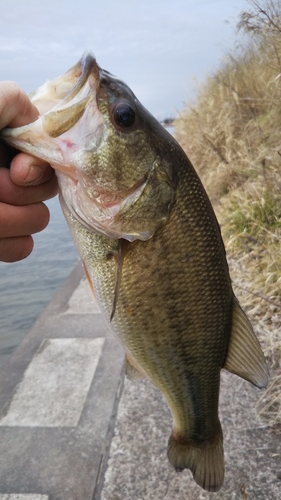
(61, 91)
(76, 88)
(88, 65)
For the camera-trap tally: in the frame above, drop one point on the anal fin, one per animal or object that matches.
(132, 373)
(245, 357)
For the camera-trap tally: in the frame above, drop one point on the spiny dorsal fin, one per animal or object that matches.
(245, 357)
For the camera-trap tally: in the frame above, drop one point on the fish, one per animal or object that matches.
(152, 251)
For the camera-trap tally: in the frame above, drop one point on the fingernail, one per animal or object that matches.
(34, 174)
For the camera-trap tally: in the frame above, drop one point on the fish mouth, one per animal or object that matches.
(72, 127)
(67, 89)
(67, 112)
(70, 122)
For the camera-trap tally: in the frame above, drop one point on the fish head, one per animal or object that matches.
(111, 156)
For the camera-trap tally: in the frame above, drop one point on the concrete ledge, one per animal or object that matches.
(59, 393)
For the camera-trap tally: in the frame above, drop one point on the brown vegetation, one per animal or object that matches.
(232, 136)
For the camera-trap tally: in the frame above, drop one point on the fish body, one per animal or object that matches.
(152, 250)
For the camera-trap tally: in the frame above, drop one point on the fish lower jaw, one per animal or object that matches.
(103, 222)
(107, 225)
(101, 212)
(95, 221)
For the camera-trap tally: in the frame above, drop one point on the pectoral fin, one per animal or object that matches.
(119, 263)
(245, 357)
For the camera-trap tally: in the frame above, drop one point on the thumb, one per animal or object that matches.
(15, 106)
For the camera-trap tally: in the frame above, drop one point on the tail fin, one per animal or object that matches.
(205, 460)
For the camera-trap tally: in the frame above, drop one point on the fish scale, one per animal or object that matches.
(152, 251)
(172, 317)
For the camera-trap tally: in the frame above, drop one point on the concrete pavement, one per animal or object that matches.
(58, 398)
(62, 438)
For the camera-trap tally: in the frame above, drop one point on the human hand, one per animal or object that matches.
(25, 186)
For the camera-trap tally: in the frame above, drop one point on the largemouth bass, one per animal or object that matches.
(152, 251)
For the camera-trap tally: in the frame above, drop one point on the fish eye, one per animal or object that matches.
(124, 115)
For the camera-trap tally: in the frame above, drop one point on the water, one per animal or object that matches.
(27, 286)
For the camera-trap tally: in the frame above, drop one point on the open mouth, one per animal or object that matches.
(68, 117)
(86, 117)
(68, 89)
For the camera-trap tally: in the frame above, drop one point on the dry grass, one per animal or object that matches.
(232, 136)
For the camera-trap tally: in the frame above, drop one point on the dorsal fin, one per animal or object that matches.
(245, 357)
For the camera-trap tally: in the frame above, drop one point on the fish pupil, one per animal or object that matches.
(124, 115)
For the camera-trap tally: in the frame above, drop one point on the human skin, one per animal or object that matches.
(25, 181)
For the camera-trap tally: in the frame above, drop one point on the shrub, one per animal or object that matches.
(232, 136)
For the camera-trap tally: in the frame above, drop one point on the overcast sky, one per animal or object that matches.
(158, 47)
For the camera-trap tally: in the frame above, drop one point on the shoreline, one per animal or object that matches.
(68, 430)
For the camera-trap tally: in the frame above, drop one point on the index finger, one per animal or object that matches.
(15, 106)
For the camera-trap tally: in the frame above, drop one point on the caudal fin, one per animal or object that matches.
(205, 460)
